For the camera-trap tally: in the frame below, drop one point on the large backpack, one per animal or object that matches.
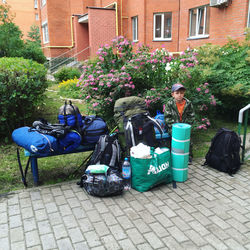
(107, 151)
(224, 152)
(70, 115)
(134, 123)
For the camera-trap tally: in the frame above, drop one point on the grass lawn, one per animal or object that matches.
(67, 167)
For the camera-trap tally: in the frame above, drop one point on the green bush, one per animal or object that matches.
(66, 73)
(22, 84)
(33, 51)
(228, 74)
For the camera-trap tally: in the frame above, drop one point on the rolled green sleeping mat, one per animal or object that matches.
(180, 151)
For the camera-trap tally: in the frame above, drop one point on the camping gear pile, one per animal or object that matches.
(140, 140)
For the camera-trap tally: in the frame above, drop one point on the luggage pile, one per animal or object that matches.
(72, 131)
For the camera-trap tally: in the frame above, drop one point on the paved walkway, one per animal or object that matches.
(209, 211)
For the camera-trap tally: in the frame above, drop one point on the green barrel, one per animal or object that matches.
(180, 151)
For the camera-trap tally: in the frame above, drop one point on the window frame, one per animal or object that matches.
(43, 2)
(35, 4)
(36, 16)
(248, 16)
(162, 14)
(134, 21)
(45, 32)
(197, 26)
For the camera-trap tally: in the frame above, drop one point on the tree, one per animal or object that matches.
(34, 34)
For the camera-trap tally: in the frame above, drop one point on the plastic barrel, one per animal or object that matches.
(180, 151)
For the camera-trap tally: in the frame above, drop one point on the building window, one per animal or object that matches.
(163, 26)
(37, 17)
(3, 1)
(45, 32)
(43, 2)
(248, 18)
(135, 28)
(199, 22)
(35, 4)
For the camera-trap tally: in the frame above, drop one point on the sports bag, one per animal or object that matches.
(150, 172)
(107, 151)
(134, 123)
(224, 151)
(56, 130)
(71, 141)
(93, 127)
(35, 142)
(70, 115)
(108, 184)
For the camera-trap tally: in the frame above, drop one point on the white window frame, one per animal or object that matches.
(197, 26)
(35, 4)
(135, 28)
(248, 17)
(3, 1)
(162, 27)
(36, 16)
(43, 2)
(45, 31)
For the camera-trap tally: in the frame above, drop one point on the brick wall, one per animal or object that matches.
(101, 28)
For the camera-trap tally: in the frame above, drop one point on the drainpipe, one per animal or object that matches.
(116, 16)
(121, 20)
(178, 38)
(72, 38)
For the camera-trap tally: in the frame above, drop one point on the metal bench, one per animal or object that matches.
(33, 161)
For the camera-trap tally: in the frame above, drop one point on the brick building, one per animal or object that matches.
(26, 13)
(83, 25)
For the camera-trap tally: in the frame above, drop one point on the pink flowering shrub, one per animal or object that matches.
(120, 70)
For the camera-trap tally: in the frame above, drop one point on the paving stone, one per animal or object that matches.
(142, 226)
(125, 222)
(4, 230)
(51, 207)
(44, 227)
(101, 228)
(159, 230)
(92, 239)
(27, 212)
(215, 242)
(37, 204)
(127, 244)
(74, 202)
(64, 244)
(75, 235)
(29, 224)
(18, 245)
(48, 241)
(16, 234)
(4, 243)
(60, 231)
(153, 240)
(177, 234)
(135, 236)
(32, 238)
(55, 218)
(233, 244)
(144, 246)
(41, 215)
(85, 225)
(15, 221)
(82, 246)
(70, 221)
(117, 232)
(110, 242)
(12, 210)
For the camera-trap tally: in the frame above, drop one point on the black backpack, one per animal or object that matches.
(224, 152)
(134, 123)
(44, 127)
(107, 151)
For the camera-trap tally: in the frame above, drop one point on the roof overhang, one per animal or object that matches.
(83, 19)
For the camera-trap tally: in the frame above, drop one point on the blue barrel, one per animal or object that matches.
(180, 151)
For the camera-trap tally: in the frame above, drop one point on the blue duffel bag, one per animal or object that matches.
(93, 127)
(35, 142)
(71, 141)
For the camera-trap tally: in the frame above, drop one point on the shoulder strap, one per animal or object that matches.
(24, 174)
(76, 117)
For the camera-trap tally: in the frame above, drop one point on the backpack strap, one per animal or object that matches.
(156, 123)
(75, 114)
(64, 113)
(23, 173)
